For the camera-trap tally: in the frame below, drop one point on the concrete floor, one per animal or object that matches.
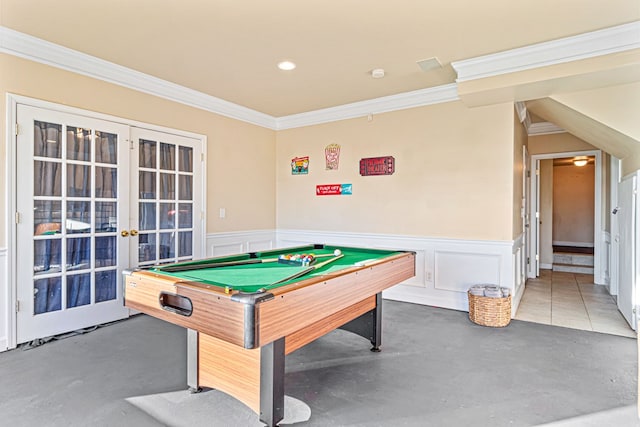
(436, 368)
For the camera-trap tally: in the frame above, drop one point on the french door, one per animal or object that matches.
(95, 197)
(165, 198)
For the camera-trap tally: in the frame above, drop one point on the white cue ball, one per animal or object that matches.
(337, 252)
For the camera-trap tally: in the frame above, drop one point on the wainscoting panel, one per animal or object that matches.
(5, 300)
(445, 268)
(519, 262)
(456, 271)
(219, 244)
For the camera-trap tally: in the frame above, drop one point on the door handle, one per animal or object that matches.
(133, 233)
(124, 233)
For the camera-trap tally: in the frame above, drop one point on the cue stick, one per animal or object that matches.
(323, 255)
(189, 267)
(307, 270)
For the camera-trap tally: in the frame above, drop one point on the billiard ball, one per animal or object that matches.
(337, 252)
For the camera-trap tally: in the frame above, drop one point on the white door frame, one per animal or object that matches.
(8, 326)
(526, 218)
(598, 242)
(614, 252)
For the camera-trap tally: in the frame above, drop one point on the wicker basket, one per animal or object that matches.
(487, 311)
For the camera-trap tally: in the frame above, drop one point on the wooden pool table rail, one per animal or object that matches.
(292, 307)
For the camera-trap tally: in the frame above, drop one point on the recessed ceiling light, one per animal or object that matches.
(286, 65)
(377, 73)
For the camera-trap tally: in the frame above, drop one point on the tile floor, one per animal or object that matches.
(571, 300)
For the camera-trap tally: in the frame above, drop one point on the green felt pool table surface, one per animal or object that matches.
(255, 276)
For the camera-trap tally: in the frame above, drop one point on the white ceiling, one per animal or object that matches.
(229, 48)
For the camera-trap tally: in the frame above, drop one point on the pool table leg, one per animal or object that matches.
(369, 325)
(272, 383)
(192, 361)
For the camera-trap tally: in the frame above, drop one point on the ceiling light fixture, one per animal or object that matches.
(580, 161)
(377, 73)
(286, 65)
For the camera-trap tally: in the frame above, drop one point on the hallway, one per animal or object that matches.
(571, 300)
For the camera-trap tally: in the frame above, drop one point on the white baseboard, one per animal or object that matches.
(576, 244)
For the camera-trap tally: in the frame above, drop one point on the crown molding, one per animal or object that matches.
(583, 46)
(413, 99)
(543, 128)
(521, 109)
(44, 52)
(38, 50)
(588, 45)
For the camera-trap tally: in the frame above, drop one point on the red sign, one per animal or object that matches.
(333, 190)
(377, 166)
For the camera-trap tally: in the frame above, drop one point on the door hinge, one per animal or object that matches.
(17, 218)
(17, 129)
(528, 174)
(131, 145)
(528, 260)
(537, 257)
(17, 306)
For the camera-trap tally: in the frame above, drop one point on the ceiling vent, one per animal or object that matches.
(429, 64)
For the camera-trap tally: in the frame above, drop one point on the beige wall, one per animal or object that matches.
(454, 174)
(240, 156)
(573, 203)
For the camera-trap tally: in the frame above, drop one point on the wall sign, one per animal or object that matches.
(377, 166)
(332, 156)
(334, 189)
(300, 165)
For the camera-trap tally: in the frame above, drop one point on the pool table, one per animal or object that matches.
(245, 312)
